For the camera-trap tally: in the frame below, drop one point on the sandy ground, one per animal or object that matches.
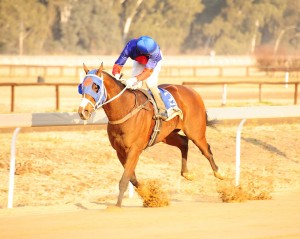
(67, 177)
(278, 218)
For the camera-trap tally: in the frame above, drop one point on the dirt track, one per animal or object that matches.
(64, 184)
(278, 218)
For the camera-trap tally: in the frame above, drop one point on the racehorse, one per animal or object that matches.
(131, 123)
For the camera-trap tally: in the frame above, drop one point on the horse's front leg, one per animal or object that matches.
(122, 159)
(128, 174)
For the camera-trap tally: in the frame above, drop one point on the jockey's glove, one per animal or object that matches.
(132, 83)
(118, 76)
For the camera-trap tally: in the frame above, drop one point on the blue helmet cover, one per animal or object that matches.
(86, 87)
(146, 45)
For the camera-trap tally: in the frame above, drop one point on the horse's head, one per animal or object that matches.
(93, 92)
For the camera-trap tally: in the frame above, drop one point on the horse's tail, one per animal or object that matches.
(212, 123)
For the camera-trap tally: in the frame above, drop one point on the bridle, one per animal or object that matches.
(103, 98)
(103, 95)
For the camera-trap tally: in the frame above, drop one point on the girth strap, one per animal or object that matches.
(157, 125)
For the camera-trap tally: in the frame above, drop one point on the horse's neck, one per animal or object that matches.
(112, 87)
(119, 106)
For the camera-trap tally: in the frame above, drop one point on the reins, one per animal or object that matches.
(98, 104)
(113, 98)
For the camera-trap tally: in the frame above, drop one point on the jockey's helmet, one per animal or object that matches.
(146, 45)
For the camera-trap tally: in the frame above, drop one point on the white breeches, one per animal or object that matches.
(152, 80)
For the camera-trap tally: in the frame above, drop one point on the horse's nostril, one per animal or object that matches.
(82, 113)
(86, 113)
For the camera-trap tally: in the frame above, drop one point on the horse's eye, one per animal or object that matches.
(96, 87)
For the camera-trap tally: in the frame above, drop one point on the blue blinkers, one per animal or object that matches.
(86, 87)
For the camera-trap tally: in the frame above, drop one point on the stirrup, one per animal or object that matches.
(161, 115)
(158, 116)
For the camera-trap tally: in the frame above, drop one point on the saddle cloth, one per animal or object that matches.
(170, 103)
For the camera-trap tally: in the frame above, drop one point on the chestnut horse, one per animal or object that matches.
(129, 137)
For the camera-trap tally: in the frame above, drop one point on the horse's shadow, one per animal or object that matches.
(104, 204)
(265, 146)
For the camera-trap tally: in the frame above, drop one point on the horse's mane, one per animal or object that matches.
(114, 78)
(107, 73)
(110, 75)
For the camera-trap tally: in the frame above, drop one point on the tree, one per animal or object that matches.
(233, 29)
(196, 40)
(23, 26)
(104, 26)
(238, 27)
(287, 32)
(129, 10)
(92, 27)
(167, 21)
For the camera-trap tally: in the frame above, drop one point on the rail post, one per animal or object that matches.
(12, 169)
(194, 71)
(57, 96)
(247, 71)
(260, 93)
(220, 71)
(12, 98)
(286, 79)
(296, 93)
(224, 94)
(238, 153)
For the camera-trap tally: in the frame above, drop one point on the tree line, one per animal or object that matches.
(180, 27)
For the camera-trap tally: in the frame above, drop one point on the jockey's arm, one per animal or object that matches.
(116, 69)
(145, 74)
(120, 62)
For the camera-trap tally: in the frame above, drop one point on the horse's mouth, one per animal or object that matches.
(84, 114)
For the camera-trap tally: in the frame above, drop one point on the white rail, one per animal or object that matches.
(72, 118)
(257, 112)
(49, 119)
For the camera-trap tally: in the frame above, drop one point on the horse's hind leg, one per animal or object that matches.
(205, 149)
(181, 142)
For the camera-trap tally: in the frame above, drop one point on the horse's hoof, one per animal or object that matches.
(113, 208)
(219, 175)
(188, 176)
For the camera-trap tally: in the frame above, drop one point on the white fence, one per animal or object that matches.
(62, 119)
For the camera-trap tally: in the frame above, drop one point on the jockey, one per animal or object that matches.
(146, 66)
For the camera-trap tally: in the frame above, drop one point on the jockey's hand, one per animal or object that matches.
(118, 76)
(132, 83)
